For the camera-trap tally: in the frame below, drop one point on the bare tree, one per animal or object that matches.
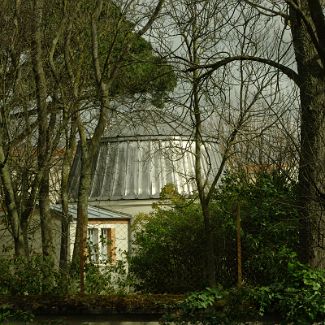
(15, 136)
(79, 56)
(305, 19)
(226, 107)
(108, 40)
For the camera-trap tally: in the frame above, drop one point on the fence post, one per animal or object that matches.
(239, 250)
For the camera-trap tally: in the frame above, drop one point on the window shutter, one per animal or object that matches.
(111, 247)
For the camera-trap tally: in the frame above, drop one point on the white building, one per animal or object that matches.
(108, 233)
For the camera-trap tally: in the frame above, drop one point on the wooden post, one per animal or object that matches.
(239, 251)
(82, 274)
(82, 259)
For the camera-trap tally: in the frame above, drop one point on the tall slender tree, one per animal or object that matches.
(62, 64)
(306, 21)
(223, 108)
(120, 63)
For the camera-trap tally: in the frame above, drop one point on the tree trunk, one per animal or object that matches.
(9, 196)
(24, 229)
(66, 218)
(311, 188)
(46, 218)
(65, 222)
(65, 228)
(89, 149)
(210, 255)
(78, 258)
(43, 130)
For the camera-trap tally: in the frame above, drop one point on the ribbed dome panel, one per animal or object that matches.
(139, 167)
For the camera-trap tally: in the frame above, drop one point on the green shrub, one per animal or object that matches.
(202, 299)
(7, 315)
(29, 276)
(37, 275)
(213, 306)
(168, 251)
(169, 254)
(200, 308)
(299, 297)
(269, 222)
(106, 279)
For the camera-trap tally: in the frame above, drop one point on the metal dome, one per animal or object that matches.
(136, 159)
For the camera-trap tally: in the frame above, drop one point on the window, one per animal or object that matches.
(101, 245)
(93, 245)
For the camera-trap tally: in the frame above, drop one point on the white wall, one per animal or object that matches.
(131, 207)
(122, 235)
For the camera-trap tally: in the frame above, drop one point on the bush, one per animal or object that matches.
(214, 306)
(39, 276)
(8, 315)
(269, 222)
(200, 307)
(106, 279)
(168, 251)
(170, 242)
(299, 297)
(33, 276)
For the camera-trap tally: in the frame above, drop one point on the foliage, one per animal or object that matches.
(269, 222)
(212, 306)
(33, 276)
(38, 276)
(168, 249)
(7, 315)
(139, 69)
(170, 243)
(107, 279)
(299, 297)
(202, 299)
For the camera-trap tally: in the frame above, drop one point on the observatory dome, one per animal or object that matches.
(141, 153)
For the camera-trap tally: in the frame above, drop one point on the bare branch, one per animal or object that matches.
(214, 66)
(152, 18)
(267, 11)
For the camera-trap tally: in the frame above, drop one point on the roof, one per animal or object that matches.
(148, 122)
(93, 212)
(141, 153)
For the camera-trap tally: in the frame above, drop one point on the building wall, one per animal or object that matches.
(131, 207)
(121, 235)
(121, 232)
(34, 236)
